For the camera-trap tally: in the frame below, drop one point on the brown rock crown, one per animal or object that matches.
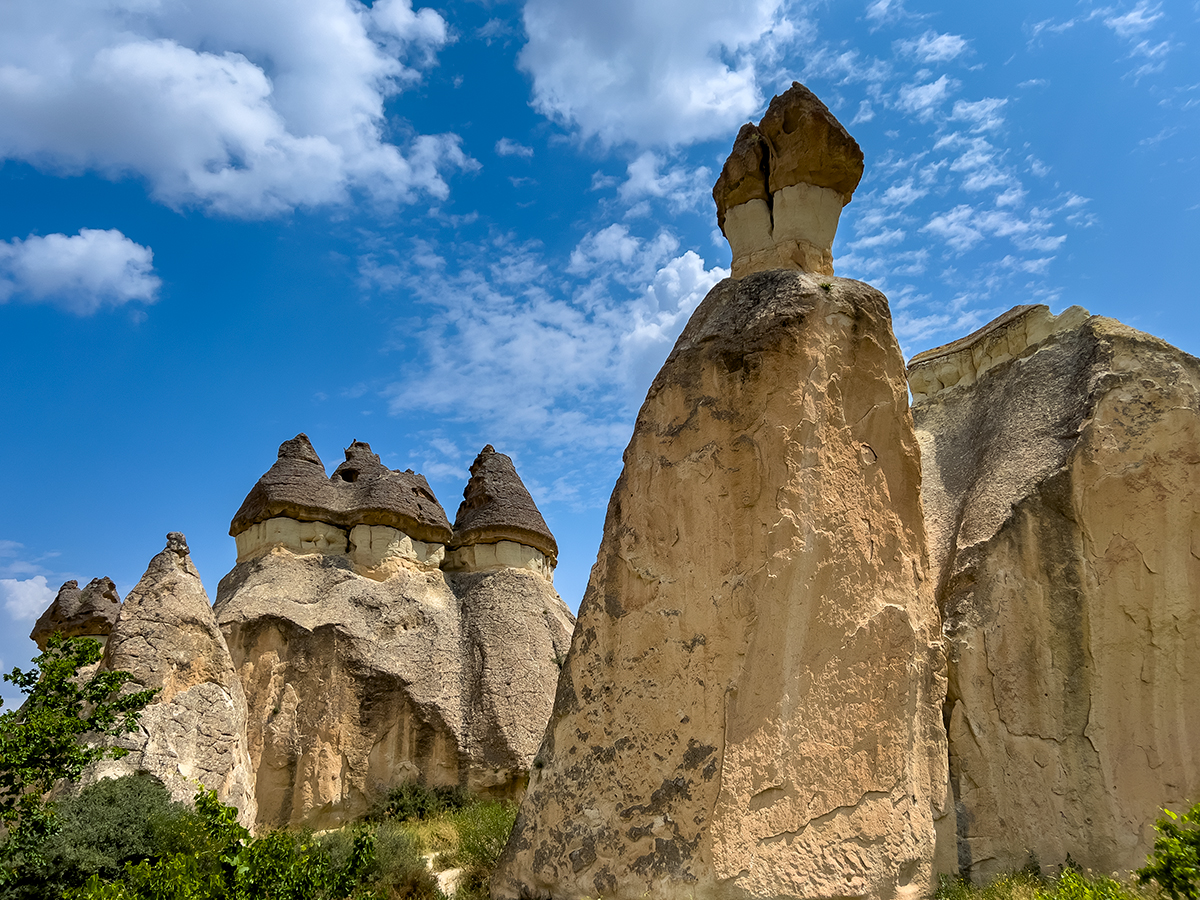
(74, 612)
(497, 507)
(781, 192)
(361, 491)
(798, 140)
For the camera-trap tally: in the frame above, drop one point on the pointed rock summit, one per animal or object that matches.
(751, 706)
(195, 730)
(781, 192)
(498, 523)
(75, 613)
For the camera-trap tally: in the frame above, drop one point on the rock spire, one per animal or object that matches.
(782, 189)
(498, 523)
(195, 730)
(751, 706)
(361, 491)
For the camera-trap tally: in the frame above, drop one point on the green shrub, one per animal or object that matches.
(483, 830)
(1174, 863)
(108, 824)
(398, 869)
(411, 800)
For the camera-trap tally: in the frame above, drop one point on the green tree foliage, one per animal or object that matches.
(1174, 863)
(44, 741)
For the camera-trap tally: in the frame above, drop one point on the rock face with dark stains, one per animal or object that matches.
(751, 706)
(90, 612)
(1061, 459)
(194, 732)
(782, 189)
(364, 664)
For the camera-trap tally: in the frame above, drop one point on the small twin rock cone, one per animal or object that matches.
(783, 187)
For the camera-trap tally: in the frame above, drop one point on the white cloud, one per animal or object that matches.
(984, 115)
(667, 73)
(1135, 22)
(865, 113)
(246, 107)
(542, 355)
(963, 227)
(922, 100)
(882, 11)
(932, 47)
(28, 599)
(683, 188)
(79, 273)
(505, 147)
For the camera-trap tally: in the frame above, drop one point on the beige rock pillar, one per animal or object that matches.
(751, 706)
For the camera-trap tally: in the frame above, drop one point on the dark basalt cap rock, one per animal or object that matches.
(798, 140)
(361, 491)
(497, 507)
(91, 611)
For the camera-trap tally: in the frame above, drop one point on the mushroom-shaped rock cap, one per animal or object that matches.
(91, 611)
(798, 140)
(362, 491)
(497, 507)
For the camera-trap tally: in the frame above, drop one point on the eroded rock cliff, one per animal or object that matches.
(1062, 490)
(751, 706)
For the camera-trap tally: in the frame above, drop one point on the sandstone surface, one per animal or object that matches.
(782, 189)
(1061, 459)
(751, 705)
(364, 664)
(194, 733)
(90, 612)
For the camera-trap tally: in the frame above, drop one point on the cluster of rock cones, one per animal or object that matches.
(834, 644)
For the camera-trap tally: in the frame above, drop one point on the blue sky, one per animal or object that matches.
(435, 227)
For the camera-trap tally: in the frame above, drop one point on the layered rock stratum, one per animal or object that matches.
(782, 189)
(364, 664)
(1061, 459)
(193, 734)
(751, 706)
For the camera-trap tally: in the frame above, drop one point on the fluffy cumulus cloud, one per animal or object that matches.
(667, 73)
(25, 600)
(80, 273)
(247, 107)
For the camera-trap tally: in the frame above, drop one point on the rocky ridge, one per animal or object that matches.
(1062, 493)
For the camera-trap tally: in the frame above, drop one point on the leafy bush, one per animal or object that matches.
(483, 830)
(1174, 863)
(398, 868)
(107, 825)
(414, 801)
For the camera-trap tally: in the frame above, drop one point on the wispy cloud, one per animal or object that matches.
(923, 99)
(932, 47)
(506, 147)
